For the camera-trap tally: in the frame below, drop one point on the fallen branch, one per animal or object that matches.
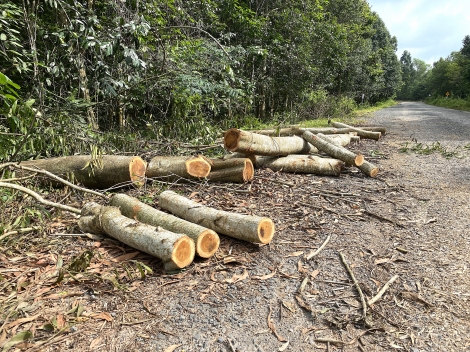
(311, 255)
(382, 291)
(20, 231)
(58, 179)
(39, 198)
(358, 288)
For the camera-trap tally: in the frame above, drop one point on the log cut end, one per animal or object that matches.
(374, 172)
(198, 167)
(231, 139)
(265, 230)
(248, 171)
(207, 244)
(137, 168)
(359, 160)
(182, 255)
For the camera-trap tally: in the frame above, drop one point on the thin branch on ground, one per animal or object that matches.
(358, 288)
(310, 256)
(39, 198)
(382, 291)
(19, 231)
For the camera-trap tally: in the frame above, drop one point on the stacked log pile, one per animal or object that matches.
(291, 149)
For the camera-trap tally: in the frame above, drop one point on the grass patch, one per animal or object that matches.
(450, 103)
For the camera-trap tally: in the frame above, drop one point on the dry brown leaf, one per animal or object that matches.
(125, 257)
(96, 342)
(295, 254)
(314, 274)
(381, 261)
(236, 278)
(20, 321)
(60, 321)
(103, 315)
(284, 346)
(172, 348)
(264, 277)
(273, 329)
(63, 295)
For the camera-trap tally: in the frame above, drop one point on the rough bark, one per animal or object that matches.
(170, 167)
(175, 250)
(207, 241)
(101, 172)
(308, 164)
(238, 170)
(360, 132)
(334, 151)
(236, 140)
(244, 227)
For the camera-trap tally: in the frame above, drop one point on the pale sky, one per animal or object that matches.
(428, 29)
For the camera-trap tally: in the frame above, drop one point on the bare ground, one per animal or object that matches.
(412, 221)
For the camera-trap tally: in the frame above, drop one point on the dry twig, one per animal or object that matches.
(382, 291)
(358, 288)
(311, 255)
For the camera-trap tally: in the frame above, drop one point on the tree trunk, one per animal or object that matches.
(101, 172)
(207, 241)
(172, 168)
(175, 250)
(308, 164)
(244, 227)
(253, 143)
(335, 151)
(366, 167)
(360, 132)
(238, 170)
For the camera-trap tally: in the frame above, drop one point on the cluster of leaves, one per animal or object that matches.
(185, 69)
(427, 149)
(448, 78)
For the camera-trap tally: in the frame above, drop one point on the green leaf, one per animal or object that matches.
(18, 338)
(3, 37)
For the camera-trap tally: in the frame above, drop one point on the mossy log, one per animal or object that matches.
(175, 250)
(360, 132)
(236, 140)
(207, 241)
(308, 164)
(244, 227)
(334, 151)
(237, 170)
(177, 167)
(100, 172)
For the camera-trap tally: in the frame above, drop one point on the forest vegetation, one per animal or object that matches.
(81, 75)
(445, 83)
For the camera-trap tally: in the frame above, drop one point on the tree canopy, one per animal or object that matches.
(192, 66)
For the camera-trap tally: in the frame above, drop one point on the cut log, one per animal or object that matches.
(244, 227)
(341, 140)
(177, 167)
(360, 132)
(238, 170)
(308, 164)
(236, 140)
(366, 167)
(175, 250)
(207, 241)
(101, 172)
(380, 129)
(334, 151)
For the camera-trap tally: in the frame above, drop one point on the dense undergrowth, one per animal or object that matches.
(451, 103)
